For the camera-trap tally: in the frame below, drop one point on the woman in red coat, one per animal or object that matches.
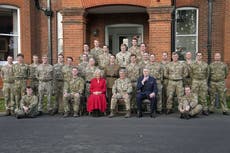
(97, 99)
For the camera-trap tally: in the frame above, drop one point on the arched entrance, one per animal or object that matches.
(116, 24)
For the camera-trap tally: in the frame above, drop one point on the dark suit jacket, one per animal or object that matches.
(149, 86)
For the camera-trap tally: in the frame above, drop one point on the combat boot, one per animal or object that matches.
(205, 113)
(55, 111)
(75, 114)
(139, 114)
(225, 113)
(7, 112)
(66, 114)
(128, 114)
(111, 113)
(153, 114)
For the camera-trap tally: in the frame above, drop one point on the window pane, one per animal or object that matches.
(9, 18)
(186, 43)
(8, 33)
(186, 21)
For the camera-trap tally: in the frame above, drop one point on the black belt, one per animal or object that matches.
(87, 81)
(133, 81)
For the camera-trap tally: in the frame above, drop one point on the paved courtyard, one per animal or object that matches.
(164, 134)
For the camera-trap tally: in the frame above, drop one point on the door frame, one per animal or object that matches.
(122, 26)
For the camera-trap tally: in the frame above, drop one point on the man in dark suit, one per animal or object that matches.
(146, 89)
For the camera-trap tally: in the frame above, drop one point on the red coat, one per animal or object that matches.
(97, 101)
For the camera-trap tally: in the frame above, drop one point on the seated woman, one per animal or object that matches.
(97, 99)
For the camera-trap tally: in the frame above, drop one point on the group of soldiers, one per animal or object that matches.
(191, 81)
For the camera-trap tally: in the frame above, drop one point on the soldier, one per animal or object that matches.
(89, 75)
(123, 57)
(32, 75)
(134, 49)
(96, 51)
(45, 78)
(85, 52)
(188, 104)
(175, 72)
(20, 71)
(73, 90)
(156, 71)
(142, 51)
(164, 62)
(122, 89)
(104, 58)
(188, 62)
(218, 74)
(67, 69)
(58, 83)
(29, 103)
(83, 65)
(111, 74)
(133, 73)
(8, 86)
(144, 61)
(199, 74)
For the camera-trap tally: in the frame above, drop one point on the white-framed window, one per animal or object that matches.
(186, 28)
(59, 32)
(9, 31)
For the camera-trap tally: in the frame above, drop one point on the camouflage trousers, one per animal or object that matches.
(195, 111)
(8, 89)
(164, 93)
(19, 91)
(45, 88)
(200, 88)
(159, 96)
(31, 113)
(188, 81)
(220, 89)
(133, 103)
(119, 96)
(34, 86)
(58, 93)
(174, 87)
(87, 92)
(71, 101)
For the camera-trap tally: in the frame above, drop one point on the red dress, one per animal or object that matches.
(97, 101)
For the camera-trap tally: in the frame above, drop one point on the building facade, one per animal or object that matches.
(164, 25)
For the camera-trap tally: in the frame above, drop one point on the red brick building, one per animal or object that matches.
(164, 25)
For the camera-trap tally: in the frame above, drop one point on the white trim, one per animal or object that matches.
(197, 25)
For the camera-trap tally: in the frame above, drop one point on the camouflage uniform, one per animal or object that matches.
(20, 75)
(33, 78)
(95, 52)
(218, 74)
(192, 102)
(67, 73)
(133, 73)
(89, 75)
(8, 87)
(121, 87)
(143, 64)
(188, 79)
(45, 77)
(73, 86)
(164, 86)
(31, 102)
(136, 51)
(103, 60)
(156, 71)
(175, 72)
(58, 83)
(199, 74)
(81, 69)
(123, 59)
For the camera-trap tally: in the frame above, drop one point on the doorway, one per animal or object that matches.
(118, 34)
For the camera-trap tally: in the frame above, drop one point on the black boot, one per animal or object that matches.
(153, 114)
(139, 114)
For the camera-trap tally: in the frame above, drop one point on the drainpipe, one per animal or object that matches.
(209, 44)
(173, 32)
(48, 12)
